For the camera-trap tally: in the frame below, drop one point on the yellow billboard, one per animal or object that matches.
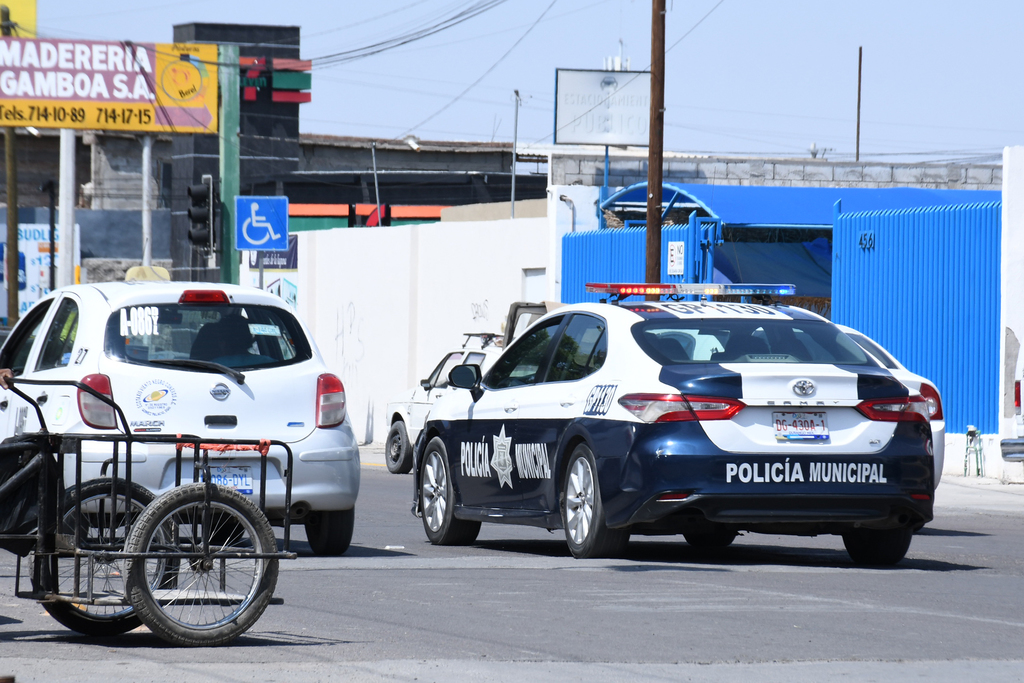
(96, 85)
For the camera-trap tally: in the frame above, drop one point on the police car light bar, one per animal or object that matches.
(679, 288)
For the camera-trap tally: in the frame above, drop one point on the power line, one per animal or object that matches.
(692, 29)
(485, 74)
(460, 17)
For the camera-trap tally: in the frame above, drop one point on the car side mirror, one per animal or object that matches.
(425, 383)
(466, 377)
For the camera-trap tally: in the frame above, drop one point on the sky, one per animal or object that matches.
(941, 79)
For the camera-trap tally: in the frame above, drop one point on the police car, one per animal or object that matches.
(216, 361)
(698, 418)
(407, 411)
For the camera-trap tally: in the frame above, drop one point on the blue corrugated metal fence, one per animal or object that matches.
(925, 283)
(611, 256)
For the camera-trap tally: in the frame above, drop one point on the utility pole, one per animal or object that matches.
(50, 188)
(654, 150)
(515, 146)
(860, 64)
(10, 153)
(228, 74)
(147, 206)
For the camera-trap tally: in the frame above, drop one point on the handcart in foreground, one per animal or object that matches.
(197, 565)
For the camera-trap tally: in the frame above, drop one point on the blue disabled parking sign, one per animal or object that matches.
(261, 223)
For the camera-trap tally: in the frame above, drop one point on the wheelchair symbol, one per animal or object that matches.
(257, 221)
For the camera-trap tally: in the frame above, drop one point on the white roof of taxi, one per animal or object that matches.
(120, 294)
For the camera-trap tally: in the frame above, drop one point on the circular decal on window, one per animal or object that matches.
(156, 397)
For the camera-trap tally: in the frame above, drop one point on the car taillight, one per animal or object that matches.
(1016, 396)
(931, 396)
(95, 412)
(330, 401)
(900, 409)
(679, 408)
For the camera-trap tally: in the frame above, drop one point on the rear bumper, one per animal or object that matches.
(326, 472)
(799, 493)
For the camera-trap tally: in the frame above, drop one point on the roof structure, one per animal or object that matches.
(762, 206)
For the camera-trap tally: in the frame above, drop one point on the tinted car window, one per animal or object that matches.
(15, 353)
(60, 337)
(522, 363)
(238, 336)
(581, 349)
(671, 342)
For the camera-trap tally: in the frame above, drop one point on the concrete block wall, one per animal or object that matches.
(627, 169)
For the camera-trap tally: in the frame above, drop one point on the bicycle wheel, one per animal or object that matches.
(103, 521)
(201, 601)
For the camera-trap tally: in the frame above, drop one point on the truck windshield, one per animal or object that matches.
(237, 336)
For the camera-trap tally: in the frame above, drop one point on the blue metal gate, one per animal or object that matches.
(925, 283)
(619, 255)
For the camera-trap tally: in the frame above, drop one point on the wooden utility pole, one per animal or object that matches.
(654, 150)
(860, 64)
(10, 153)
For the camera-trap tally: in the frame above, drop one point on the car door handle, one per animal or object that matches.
(569, 400)
(511, 406)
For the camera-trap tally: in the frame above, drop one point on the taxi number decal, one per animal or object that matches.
(600, 399)
(139, 321)
(822, 472)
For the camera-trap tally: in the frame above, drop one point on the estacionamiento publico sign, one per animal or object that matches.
(135, 87)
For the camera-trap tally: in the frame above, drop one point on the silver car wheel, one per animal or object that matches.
(435, 483)
(579, 500)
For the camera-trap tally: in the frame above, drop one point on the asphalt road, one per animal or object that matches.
(517, 607)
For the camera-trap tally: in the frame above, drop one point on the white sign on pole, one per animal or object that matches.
(602, 107)
(676, 258)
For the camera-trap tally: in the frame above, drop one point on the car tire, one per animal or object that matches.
(329, 533)
(397, 452)
(583, 512)
(437, 500)
(878, 546)
(715, 537)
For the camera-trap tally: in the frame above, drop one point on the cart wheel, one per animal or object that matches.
(209, 600)
(99, 511)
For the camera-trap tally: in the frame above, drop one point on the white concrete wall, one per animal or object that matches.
(384, 304)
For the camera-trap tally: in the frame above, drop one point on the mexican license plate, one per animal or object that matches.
(237, 477)
(800, 426)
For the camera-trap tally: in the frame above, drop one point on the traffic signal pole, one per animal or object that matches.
(228, 74)
(654, 151)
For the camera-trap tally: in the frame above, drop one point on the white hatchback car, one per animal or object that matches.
(212, 360)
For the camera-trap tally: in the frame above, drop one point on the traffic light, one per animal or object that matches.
(202, 212)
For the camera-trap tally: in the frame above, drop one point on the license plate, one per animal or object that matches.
(237, 477)
(800, 426)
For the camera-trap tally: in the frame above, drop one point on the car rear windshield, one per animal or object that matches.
(238, 336)
(672, 342)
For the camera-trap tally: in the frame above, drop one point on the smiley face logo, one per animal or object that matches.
(181, 80)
